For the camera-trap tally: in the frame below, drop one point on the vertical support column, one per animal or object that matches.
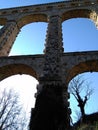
(7, 37)
(53, 65)
(53, 49)
(50, 112)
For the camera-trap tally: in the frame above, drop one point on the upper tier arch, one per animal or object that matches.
(80, 13)
(76, 13)
(31, 18)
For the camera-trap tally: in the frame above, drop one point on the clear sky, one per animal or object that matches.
(10, 3)
(78, 35)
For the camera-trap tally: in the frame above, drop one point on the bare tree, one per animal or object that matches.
(80, 89)
(11, 114)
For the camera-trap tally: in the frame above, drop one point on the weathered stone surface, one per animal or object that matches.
(54, 69)
(72, 64)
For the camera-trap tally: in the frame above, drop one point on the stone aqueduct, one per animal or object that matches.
(33, 65)
(13, 19)
(54, 62)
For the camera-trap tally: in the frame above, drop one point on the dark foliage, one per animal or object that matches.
(87, 119)
(92, 118)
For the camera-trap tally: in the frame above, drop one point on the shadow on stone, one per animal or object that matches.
(49, 112)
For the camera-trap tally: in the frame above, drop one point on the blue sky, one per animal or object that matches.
(11, 3)
(78, 35)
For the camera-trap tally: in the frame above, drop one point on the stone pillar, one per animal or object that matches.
(52, 73)
(53, 66)
(7, 37)
(53, 48)
(50, 112)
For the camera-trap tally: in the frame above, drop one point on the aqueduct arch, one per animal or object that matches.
(32, 18)
(80, 13)
(88, 66)
(76, 13)
(53, 69)
(14, 69)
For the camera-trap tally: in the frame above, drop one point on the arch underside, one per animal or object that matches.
(88, 66)
(14, 69)
(31, 18)
(3, 21)
(25, 19)
(84, 13)
(80, 13)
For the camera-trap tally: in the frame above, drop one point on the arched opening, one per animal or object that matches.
(90, 79)
(19, 76)
(22, 79)
(79, 34)
(87, 69)
(31, 40)
(25, 86)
